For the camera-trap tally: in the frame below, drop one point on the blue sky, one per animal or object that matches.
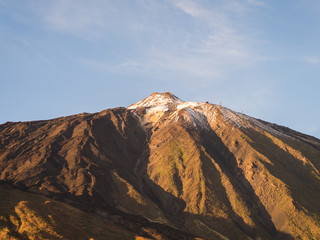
(61, 57)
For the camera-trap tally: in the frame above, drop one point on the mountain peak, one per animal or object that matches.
(164, 169)
(157, 99)
(165, 94)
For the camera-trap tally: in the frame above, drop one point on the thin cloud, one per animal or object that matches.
(312, 60)
(214, 18)
(207, 48)
(75, 17)
(222, 47)
(127, 65)
(256, 2)
(191, 8)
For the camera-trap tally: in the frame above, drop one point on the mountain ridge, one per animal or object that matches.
(195, 169)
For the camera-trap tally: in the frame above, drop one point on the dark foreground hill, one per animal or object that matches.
(159, 169)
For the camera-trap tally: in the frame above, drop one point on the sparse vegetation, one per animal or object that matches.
(30, 216)
(170, 172)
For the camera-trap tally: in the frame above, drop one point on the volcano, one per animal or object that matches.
(162, 168)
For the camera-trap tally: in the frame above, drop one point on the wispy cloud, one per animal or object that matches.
(213, 41)
(212, 17)
(90, 21)
(218, 47)
(256, 2)
(192, 8)
(312, 60)
(76, 17)
(127, 65)
(221, 48)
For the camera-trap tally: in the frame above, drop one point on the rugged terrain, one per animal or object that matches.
(160, 169)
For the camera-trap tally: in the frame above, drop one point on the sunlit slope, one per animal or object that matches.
(275, 166)
(168, 169)
(232, 170)
(87, 160)
(31, 216)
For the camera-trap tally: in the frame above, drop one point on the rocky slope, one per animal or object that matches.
(168, 169)
(31, 216)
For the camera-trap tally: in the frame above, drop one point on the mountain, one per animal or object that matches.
(162, 168)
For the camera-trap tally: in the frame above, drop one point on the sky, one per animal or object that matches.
(259, 57)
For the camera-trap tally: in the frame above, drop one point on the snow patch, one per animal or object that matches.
(157, 109)
(241, 120)
(188, 105)
(157, 99)
(192, 116)
(264, 126)
(209, 111)
(202, 114)
(168, 107)
(232, 117)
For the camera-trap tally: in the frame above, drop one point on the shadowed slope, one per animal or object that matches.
(30, 216)
(168, 169)
(86, 160)
(212, 158)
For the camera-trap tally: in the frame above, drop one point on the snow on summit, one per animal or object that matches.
(161, 101)
(199, 114)
(164, 108)
(157, 99)
(158, 104)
